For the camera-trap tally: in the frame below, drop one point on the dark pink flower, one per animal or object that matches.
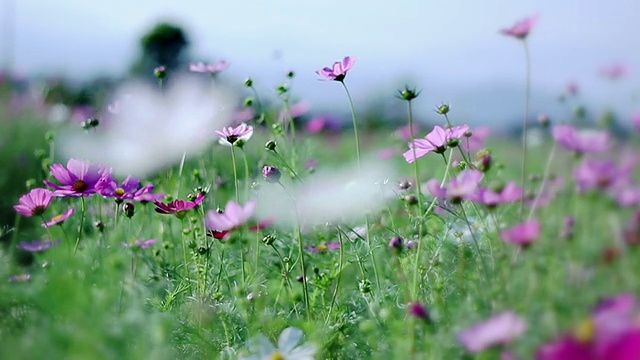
(129, 189)
(521, 29)
(463, 186)
(58, 219)
(219, 223)
(339, 69)
(237, 136)
(321, 123)
(437, 141)
(178, 207)
(581, 141)
(522, 234)
(612, 332)
(418, 310)
(499, 329)
(78, 178)
(212, 68)
(599, 174)
(323, 246)
(36, 245)
(35, 202)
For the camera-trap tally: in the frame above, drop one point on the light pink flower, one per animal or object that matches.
(580, 141)
(212, 68)
(477, 139)
(339, 69)
(436, 141)
(521, 29)
(522, 234)
(234, 215)
(463, 186)
(78, 178)
(499, 329)
(614, 71)
(35, 202)
(237, 136)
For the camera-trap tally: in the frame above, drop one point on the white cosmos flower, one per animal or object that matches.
(288, 349)
(338, 195)
(152, 129)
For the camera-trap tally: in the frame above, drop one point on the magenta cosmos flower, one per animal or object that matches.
(521, 29)
(35, 202)
(220, 223)
(611, 332)
(178, 207)
(339, 69)
(78, 178)
(212, 68)
(580, 141)
(499, 329)
(323, 246)
(58, 219)
(599, 174)
(237, 136)
(129, 189)
(522, 234)
(463, 186)
(437, 141)
(37, 245)
(509, 193)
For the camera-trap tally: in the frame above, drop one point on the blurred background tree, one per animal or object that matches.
(166, 44)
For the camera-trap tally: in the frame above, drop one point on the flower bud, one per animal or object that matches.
(128, 209)
(443, 109)
(248, 101)
(248, 82)
(411, 199)
(282, 89)
(160, 72)
(268, 239)
(404, 184)
(290, 74)
(99, 225)
(270, 145)
(271, 173)
(396, 243)
(364, 286)
(418, 310)
(408, 94)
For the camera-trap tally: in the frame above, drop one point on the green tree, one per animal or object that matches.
(165, 44)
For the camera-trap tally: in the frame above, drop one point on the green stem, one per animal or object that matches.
(82, 213)
(335, 290)
(543, 183)
(180, 169)
(355, 122)
(524, 123)
(235, 173)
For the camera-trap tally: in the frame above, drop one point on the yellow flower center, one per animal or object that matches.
(276, 356)
(584, 330)
(57, 217)
(119, 191)
(322, 247)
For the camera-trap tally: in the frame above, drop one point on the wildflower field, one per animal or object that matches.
(242, 233)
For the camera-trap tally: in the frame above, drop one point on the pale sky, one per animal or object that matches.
(449, 48)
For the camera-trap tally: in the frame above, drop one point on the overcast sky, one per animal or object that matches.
(449, 48)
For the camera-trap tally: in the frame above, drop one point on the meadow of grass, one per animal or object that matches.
(188, 269)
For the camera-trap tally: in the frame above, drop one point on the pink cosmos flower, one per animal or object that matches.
(611, 332)
(58, 219)
(599, 174)
(463, 186)
(141, 243)
(477, 139)
(522, 234)
(237, 136)
(129, 189)
(78, 178)
(404, 132)
(35, 202)
(499, 329)
(509, 193)
(220, 224)
(212, 68)
(323, 246)
(244, 114)
(521, 29)
(580, 141)
(321, 123)
(178, 207)
(614, 71)
(437, 141)
(339, 69)
(386, 153)
(296, 110)
(37, 245)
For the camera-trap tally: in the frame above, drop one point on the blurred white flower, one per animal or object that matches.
(152, 129)
(287, 349)
(328, 195)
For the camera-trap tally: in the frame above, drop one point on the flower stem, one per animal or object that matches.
(235, 173)
(355, 122)
(335, 290)
(543, 183)
(82, 211)
(524, 122)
